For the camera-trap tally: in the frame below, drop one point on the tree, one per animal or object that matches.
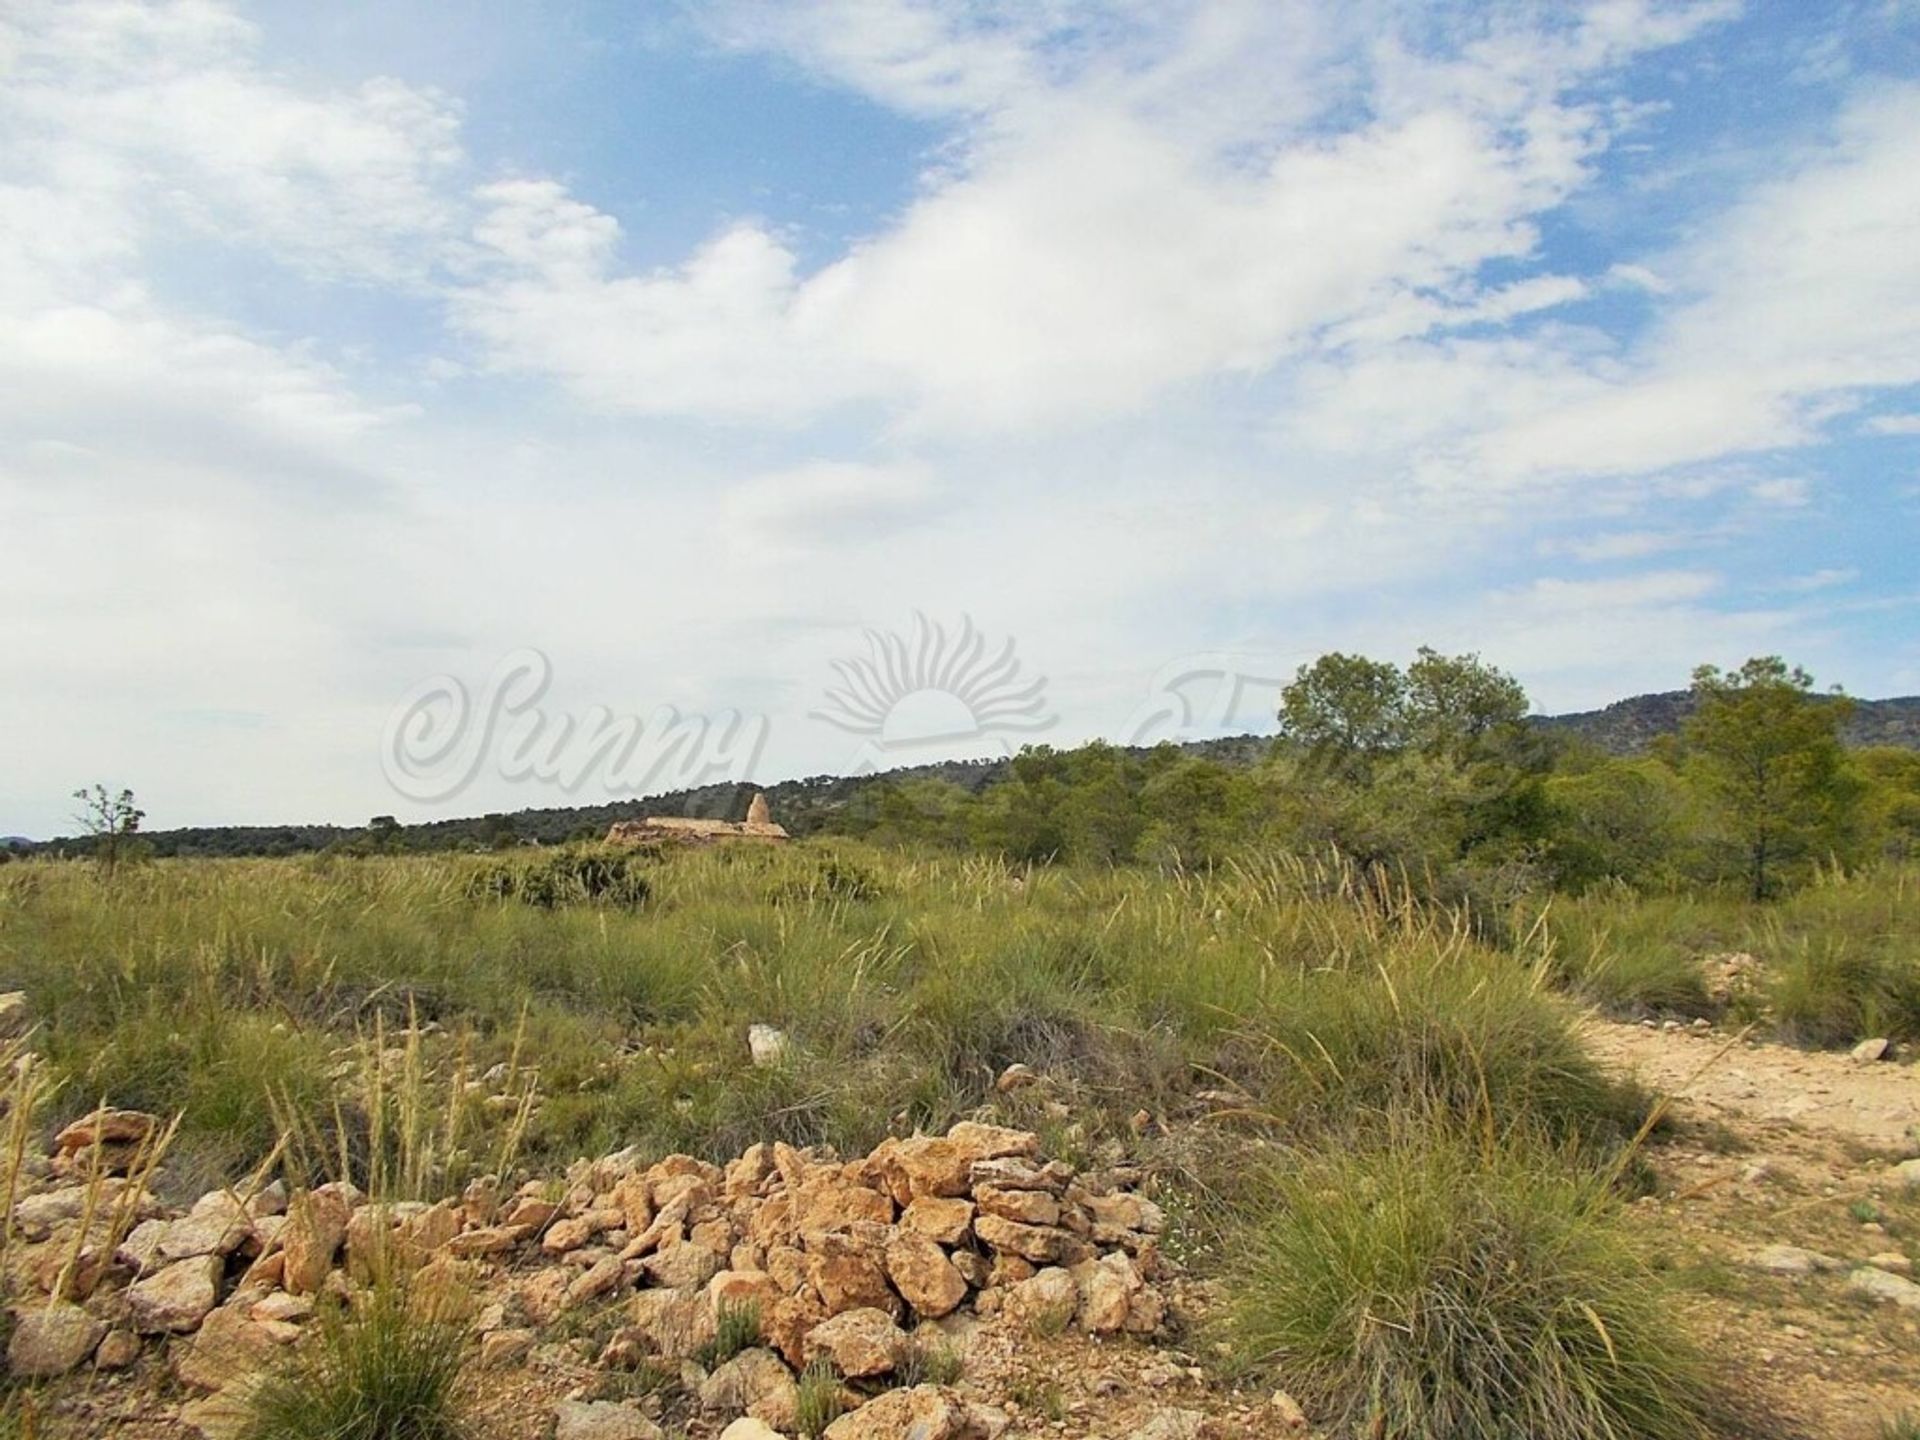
(1763, 745)
(112, 821)
(1346, 709)
(1456, 703)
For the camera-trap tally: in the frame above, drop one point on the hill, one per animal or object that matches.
(1628, 727)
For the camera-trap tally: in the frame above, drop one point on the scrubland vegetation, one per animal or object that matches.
(1428, 1238)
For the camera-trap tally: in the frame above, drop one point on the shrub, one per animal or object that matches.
(378, 1370)
(1827, 992)
(1442, 1285)
(735, 1328)
(565, 877)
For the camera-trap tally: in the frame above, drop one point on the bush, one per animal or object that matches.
(1442, 1285)
(567, 877)
(1826, 992)
(378, 1370)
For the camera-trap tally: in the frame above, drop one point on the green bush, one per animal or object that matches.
(379, 1369)
(1825, 992)
(1442, 1286)
(565, 877)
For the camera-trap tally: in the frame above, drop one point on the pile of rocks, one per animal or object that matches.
(834, 1258)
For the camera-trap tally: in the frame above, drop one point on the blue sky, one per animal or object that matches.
(348, 351)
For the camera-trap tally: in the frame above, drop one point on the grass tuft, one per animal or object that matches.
(820, 1401)
(1444, 1285)
(378, 1369)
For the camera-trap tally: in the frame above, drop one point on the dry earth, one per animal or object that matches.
(1774, 1146)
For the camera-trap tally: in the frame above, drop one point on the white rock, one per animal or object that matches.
(1879, 1285)
(748, 1428)
(767, 1045)
(1791, 1260)
(1868, 1051)
(601, 1420)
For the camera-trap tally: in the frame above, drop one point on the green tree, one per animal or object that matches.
(1346, 709)
(1456, 704)
(1767, 750)
(112, 821)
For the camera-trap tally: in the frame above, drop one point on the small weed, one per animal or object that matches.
(735, 1328)
(929, 1364)
(1043, 1398)
(819, 1402)
(1865, 1211)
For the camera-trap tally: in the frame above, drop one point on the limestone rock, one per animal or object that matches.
(947, 1221)
(675, 1322)
(1049, 1297)
(316, 1228)
(1791, 1260)
(860, 1343)
(601, 1420)
(1867, 1051)
(921, 1272)
(118, 1351)
(926, 1412)
(1042, 1244)
(1172, 1425)
(1908, 1173)
(229, 1344)
(681, 1266)
(748, 1427)
(1879, 1285)
(766, 1045)
(176, 1298)
(51, 1339)
(755, 1382)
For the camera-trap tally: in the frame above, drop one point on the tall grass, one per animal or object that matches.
(1454, 1284)
(378, 1369)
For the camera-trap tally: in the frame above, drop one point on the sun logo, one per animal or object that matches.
(934, 688)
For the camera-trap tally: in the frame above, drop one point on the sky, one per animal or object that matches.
(427, 410)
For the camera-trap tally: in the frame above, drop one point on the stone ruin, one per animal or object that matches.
(678, 830)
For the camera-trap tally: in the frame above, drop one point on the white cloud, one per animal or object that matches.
(1895, 425)
(1080, 256)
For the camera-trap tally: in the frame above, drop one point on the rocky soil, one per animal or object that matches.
(1790, 1195)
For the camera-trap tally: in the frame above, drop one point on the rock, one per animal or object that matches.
(1016, 1077)
(1172, 1425)
(600, 1278)
(223, 1415)
(1117, 1218)
(106, 1127)
(601, 1420)
(849, 1278)
(922, 1273)
(1286, 1410)
(1049, 1298)
(283, 1308)
(787, 1324)
(675, 1322)
(218, 1224)
(1042, 1244)
(118, 1351)
(1879, 1285)
(51, 1339)
(316, 1228)
(501, 1348)
(755, 1382)
(1791, 1260)
(1892, 1260)
(947, 1221)
(1867, 1051)
(14, 1016)
(681, 1266)
(749, 1428)
(860, 1343)
(1029, 1207)
(229, 1344)
(926, 1412)
(767, 1045)
(1108, 1288)
(177, 1298)
(1908, 1173)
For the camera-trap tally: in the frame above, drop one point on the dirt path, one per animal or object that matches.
(1754, 1086)
(1776, 1146)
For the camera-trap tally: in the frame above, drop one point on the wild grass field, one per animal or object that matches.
(1384, 1110)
